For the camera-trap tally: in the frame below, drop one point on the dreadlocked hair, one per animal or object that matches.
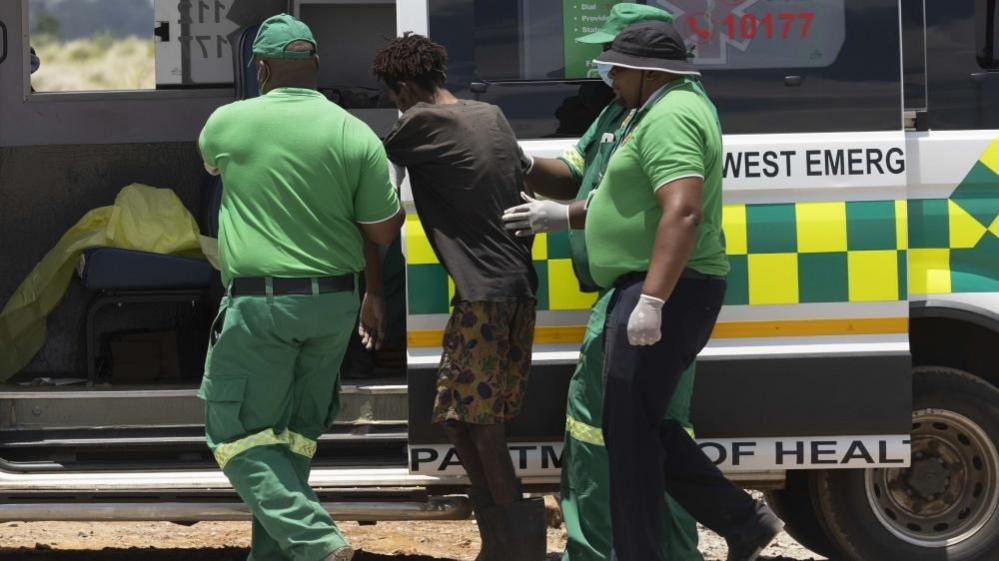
(411, 58)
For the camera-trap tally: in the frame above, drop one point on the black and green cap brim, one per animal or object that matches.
(596, 38)
(617, 58)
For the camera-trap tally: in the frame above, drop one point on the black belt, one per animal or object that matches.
(687, 273)
(257, 286)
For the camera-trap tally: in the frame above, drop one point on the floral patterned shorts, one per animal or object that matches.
(484, 367)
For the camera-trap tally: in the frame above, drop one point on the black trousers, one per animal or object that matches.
(649, 456)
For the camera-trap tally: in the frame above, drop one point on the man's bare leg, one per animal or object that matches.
(490, 441)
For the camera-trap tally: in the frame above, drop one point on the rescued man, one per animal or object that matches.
(465, 167)
(653, 233)
(305, 183)
(585, 486)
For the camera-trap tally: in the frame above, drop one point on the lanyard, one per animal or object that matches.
(631, 121)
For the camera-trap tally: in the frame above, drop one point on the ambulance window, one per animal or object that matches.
(349, 34)
(92, 46)
(961, 69)
(806, 66)
(829, 66)
(108, 45)
(522, 57)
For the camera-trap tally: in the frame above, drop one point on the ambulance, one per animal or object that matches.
(853, 375)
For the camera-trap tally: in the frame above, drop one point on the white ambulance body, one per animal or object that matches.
(853, 373)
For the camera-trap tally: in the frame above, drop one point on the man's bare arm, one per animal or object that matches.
(552, 179)
(577, 215)
(209, 168)
(680, 202)
(384, 232)
(371, 326)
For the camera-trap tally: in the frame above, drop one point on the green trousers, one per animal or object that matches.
(271, 388)
(585, 469)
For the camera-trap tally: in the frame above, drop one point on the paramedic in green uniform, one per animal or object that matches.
(585, 488)
(305, 183)
(653, 232)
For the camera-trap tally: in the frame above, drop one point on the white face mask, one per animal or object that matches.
(604, 70)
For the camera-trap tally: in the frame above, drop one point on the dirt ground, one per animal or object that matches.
(228, 541)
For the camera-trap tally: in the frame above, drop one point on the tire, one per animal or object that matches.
(794, 505)
(946, 505)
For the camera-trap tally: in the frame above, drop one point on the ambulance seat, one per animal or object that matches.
(243, 69)
(113, 269)
(122, 276)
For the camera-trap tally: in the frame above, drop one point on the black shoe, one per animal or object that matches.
(756, 535)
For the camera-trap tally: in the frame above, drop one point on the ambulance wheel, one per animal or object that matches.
(795, 507)
(946, 504)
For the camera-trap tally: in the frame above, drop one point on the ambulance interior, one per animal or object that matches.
(144, 319)
(115, 380)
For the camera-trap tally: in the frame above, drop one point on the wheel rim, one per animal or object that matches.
(950, 491)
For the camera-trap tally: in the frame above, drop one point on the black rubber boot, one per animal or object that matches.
(521, 530)
(761, 529)
(482, 502)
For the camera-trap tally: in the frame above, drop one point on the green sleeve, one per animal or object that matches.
(574, 160)
(575, 156)
(375, 199)
(207, 141)
(671, 143)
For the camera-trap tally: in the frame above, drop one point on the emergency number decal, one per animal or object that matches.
(539, 459)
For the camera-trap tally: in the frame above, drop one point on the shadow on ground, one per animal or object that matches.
(144, 554)
(221, 554)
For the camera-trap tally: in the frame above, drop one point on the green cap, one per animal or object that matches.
(621, 16)
(280, 31)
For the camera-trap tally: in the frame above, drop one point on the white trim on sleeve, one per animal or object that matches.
(386, 219)
(677, 178)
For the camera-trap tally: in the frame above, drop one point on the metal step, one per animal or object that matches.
(366, 403)
(35, 450)
(179, 437)
(435, 508)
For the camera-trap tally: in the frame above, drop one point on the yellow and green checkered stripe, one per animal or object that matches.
(954, 243)
(815, 252)
(806, 252)
(430, 289)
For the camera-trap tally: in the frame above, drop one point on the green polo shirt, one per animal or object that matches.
(678, 137)
(300, 173)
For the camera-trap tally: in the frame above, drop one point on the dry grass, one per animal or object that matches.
(99, 63)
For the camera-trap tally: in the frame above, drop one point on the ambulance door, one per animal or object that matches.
(809, 363)
(14, 61)
(955, 159)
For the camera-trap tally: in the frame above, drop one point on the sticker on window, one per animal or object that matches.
(744, 34)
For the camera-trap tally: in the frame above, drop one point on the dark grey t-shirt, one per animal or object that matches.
(466, 168)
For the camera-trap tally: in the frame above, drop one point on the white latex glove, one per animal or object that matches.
(534, 217)
(645, 321)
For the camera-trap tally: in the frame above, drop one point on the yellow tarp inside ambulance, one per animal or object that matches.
(142, 218)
